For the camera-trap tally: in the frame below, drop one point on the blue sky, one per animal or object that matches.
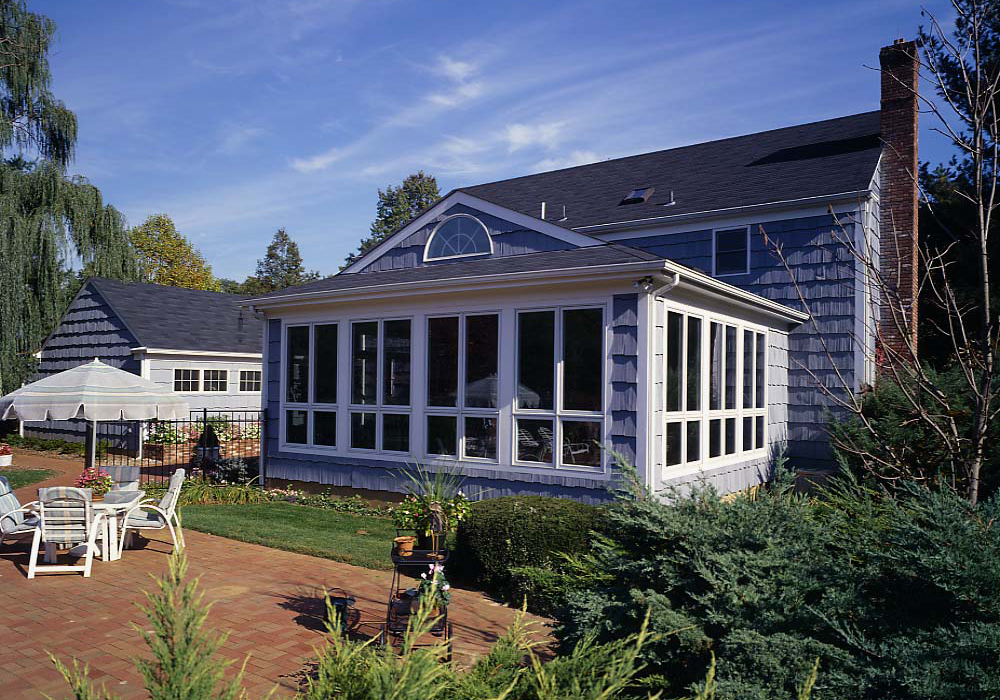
(237, 117)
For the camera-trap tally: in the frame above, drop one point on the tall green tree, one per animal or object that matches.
(48, 219)
(280, 267)
(167, 257)
(396, 207)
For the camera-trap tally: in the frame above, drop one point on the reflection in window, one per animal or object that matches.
(442, 361)
(715, 368)
(363, 431)
(714, 438)
(441, 435)
(674, 443)
(325, 428)
(396, 432)
(536, 359)
(748, 369)
(761, 365)
(583, 376)
(396, 363)
(730, 436)
(364, 371)
(747, 433)
(730, 367)
(534, 440)
(581, 443)
(325, 345)
(481, 437)
(675, 339)
(694, 364)
(693, 441)
(297, 361)
(481, 343)
(295, 427)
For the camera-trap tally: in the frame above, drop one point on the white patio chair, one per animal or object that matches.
(65, 519)
(126, 477)
(147, 516)
(16, 521)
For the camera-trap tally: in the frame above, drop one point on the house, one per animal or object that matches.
(515, 329)
(201, 344)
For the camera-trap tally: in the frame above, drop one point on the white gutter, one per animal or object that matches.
(712, 213)
(143, 350)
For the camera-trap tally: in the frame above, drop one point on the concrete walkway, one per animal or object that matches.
(269, 601)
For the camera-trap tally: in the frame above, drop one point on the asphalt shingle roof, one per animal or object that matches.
(591, 256)
(796, 162)
(183, 319)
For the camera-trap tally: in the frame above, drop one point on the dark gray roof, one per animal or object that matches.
(591, 256)
(809, 160)
(182, 319)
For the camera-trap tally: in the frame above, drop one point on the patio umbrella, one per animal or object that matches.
(92, 392)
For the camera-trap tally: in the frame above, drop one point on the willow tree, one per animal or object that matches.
(52, 227)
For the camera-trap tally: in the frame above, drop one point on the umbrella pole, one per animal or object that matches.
(90, 445)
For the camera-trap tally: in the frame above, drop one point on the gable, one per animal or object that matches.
(508, 238)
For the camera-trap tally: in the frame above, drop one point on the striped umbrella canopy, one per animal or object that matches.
(94, 392)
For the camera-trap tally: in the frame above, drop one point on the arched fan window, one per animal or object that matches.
(458, 236)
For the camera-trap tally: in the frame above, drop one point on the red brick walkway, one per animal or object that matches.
(267, 600)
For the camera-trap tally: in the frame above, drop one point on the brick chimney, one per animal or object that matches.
(898, 191)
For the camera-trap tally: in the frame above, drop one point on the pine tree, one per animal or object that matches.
(396, 207)
(280, 267)
(47, 218)
(167, 257)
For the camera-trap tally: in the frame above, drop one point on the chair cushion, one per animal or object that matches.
(145, 519)
(116, 496)
(9, 502)
(28, 524)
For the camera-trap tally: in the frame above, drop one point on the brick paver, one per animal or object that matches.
(268, 601)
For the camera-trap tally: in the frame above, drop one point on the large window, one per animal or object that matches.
(726, 360)
(463, 351)
(560, 387)
(310, 354)
(380, 385)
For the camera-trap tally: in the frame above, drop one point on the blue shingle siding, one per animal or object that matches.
(827, 275)
(624, 378)
(508, 239)
(273, 390)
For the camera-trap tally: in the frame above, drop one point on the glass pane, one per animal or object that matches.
(459, 235)
(363, 431)
(441, 432)
(250, 380)
(748, 369)
(674, 443)
(324, 428)
(481, 437)
(364, 369)
(442, 361)
(396, 432)
(674, 379)
(396, 363)
(297, 367)
(482, 334)
(715, 370)
(731, 251)
(730, 436)
(186, 379)
(694, 364)
(536, 359)
(747, 434)
(759, 430)
(714, 438)
(216, 380)
(693, 441)
(325, 346)
(761, 365)
(534, 440)
(295, 427)
(581, 443)
(583, 375)
(730, 367)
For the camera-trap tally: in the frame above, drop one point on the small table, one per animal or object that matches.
(113, 504)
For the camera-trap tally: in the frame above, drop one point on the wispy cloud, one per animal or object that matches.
(520, 136)
(237, 137)
(581, 157)
(461, 74)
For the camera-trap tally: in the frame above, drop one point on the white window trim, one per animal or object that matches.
(430, 239)
(198, 390)
(309, 405)
(705, 415)
(715, 239)
(225, 379)
(379, 408)
(239, 382)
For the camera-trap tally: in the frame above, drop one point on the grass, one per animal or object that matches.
(363, 540)
(26, 477)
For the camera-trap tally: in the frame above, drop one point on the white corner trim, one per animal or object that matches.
(576, 238)
(143, 350)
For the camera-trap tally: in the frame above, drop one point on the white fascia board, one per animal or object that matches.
(580, 240)
(472, 283)
(626, 229)
(149, 352)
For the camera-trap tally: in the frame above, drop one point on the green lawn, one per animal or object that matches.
(24, 477)
(363, 540)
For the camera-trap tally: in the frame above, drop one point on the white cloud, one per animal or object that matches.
(235, 138)
(519, 136)
(460, 73)
(456, 70)
(581, 157)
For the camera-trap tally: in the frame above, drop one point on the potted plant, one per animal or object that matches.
(435, 589)
(6, 455)
(434, 504)
(95, 479)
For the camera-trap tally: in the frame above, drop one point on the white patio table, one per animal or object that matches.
(113, 505)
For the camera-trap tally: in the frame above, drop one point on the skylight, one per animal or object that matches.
(637, 196)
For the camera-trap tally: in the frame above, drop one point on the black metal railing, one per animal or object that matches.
(219, 442)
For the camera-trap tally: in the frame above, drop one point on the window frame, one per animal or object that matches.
(379, 408)
(259, 380)
(427, 246)
(224, 380)
(715, 251)
(197, 380)
(706, 414)
(309, 406)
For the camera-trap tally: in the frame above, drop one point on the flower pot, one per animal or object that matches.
(404, 545)
(5, 460)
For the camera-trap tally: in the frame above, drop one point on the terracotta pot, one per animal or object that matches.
(404, 545)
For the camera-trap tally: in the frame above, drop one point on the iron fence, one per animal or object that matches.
(220, 441)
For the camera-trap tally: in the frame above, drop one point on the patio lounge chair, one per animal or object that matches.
(147, 516)
(16, 521)
(126, 478)
(65, 519)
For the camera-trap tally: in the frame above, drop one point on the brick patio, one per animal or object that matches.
(267, 600)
